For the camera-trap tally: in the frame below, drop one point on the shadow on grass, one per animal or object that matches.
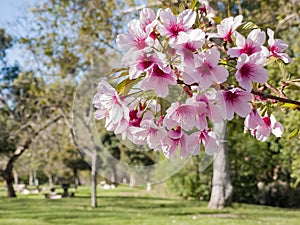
(107, 205)
(126, 197)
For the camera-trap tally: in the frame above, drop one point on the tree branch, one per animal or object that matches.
(2, 100)
(284, 21)
(280, 99)
(22, 148)
(21, 128)
(70, 127)
(275, 90)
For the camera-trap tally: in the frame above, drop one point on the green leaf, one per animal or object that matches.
(282, 68)
(263, 111)
(294, 133)
(217, 19)
(269, 111)
(193, 4)
(123, 74)
(290, 105)
(182, 6)
(116, 70)
(125, 86)
(297, 182)
(246, 27)
(270, 60)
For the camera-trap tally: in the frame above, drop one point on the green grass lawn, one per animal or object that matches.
(125, 205)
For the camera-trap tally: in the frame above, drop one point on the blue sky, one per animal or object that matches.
(10, 9)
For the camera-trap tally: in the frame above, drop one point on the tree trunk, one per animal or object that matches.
(50, 179)
(10, 188)
(16, 177)
(30, 178)
(94, 181)
(76, 178)
(7, 175)
(221, 184)
(35, 180)
(132, 181)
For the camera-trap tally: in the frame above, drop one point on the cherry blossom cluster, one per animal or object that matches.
(215, 72)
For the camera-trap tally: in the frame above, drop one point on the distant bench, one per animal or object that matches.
(24, 189)
(65, 194)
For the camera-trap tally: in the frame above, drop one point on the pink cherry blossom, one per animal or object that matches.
(252, 44)
(136, 38)
(148, 19)
(233, 101)
(188, 43)
(111, 106)
(149, 132)
(269, 125)
(206, 70)
(251, 68)
(176, 139)
(118, 128)
(213, 110)
(182, 115)
(141, 61)
(203, 8)
(206, 107)
(206, 9)
(171, 25)
(134, 118)
(253, 120)
(262, 127)
(155, 136)
(201, 112)
(228, 26)
(209, 139)
(277, 47)
(159, 79)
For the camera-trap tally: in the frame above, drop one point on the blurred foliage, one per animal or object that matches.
(258, 169)
(190, 182)
(70, 35)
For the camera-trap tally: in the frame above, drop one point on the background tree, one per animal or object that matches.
(69, 36)
(24, 115)
(73, 160)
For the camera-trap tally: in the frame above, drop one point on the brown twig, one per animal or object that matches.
(275, 90)
(280, 99)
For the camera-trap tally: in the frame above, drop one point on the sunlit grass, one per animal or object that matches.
(125, 205)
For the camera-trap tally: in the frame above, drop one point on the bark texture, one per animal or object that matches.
(8, 177)
(221, 185)
(76, 178)
(94, 181)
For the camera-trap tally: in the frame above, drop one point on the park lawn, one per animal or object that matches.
(125, 205)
